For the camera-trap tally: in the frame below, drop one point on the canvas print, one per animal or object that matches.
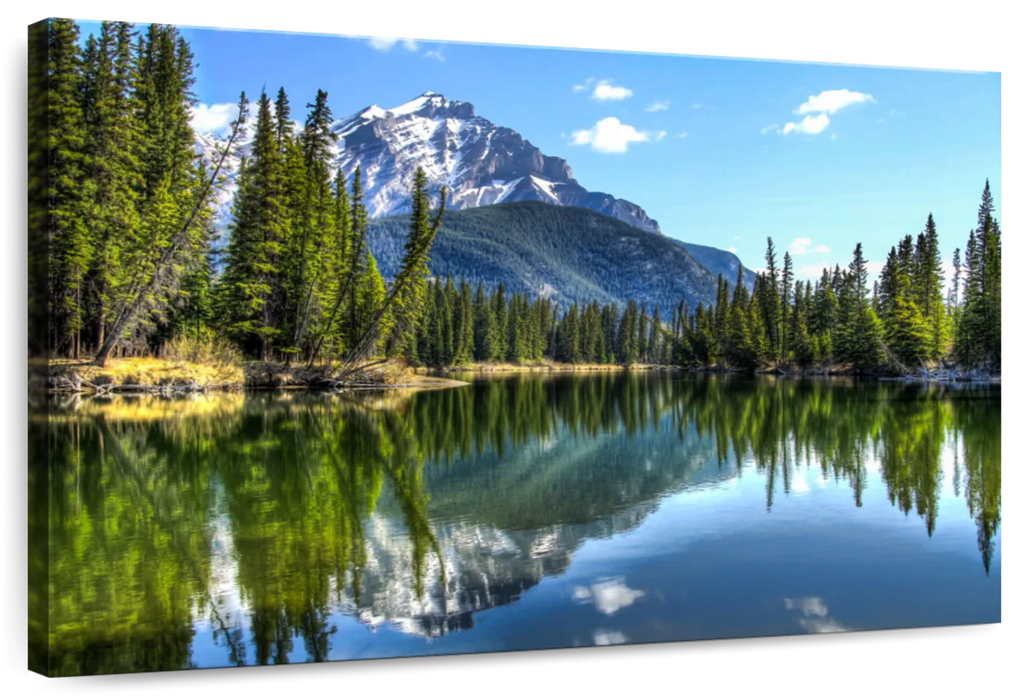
(347, 348)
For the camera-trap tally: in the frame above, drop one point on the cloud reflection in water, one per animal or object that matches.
(609, 595)
(815, 613)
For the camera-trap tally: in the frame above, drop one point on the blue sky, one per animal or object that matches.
(699, 143)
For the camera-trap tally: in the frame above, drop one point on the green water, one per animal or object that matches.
(516, 513)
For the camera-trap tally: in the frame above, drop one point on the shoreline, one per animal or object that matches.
(543, 367)
(153, 376)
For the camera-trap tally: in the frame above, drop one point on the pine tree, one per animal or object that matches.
(70, 246)
(569, 337)
(969, 328)
(770, 302)
(112, 156)
(485, 329)
(785, 296)
(429, 338)
(992, 263)
(928, 282)
(978, 337)
(546, 328)
(628, 348)
(463, 326)
(905, 330)
(370, 295)
(642, 350)
(283, 124)
(447, 311)
(609, 331)
(511, 335)
(340, 272)
(757, 334)
(740, 350)
(801, 345)
(824, 315)
(721, 322)
(500, 316)
(174, 203)
(954, 297)
(261, 225)
(413, 296)
(655, 343)
(862, 335)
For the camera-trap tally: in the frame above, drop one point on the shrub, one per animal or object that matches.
(204, 349)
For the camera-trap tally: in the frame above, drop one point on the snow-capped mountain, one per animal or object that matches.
(479, 162)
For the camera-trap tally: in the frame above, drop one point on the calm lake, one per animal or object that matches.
(516, 513)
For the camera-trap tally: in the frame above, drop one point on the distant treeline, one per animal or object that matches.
(904, 320)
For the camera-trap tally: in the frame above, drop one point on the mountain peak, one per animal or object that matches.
(479, 162)
(431, 103)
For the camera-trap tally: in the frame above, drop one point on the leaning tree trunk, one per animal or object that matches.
(134, 300)
(359, 352)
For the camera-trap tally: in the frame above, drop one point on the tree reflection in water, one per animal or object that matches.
(252, 512)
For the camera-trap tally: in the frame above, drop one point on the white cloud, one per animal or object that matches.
(808, 125)
(683, 134)
(659, 106)
(731, 250)
(817, 110)
(605, 91)
(385, 43)
(437, 54)
(799, 246)
(697, 105)
(822, 249)
(583, 85)
(608, 595)
(609, 135)
(214, 118)
(660, 135)
(832, 101)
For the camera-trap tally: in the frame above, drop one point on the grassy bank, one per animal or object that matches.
(157, 375)
(150, 371)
